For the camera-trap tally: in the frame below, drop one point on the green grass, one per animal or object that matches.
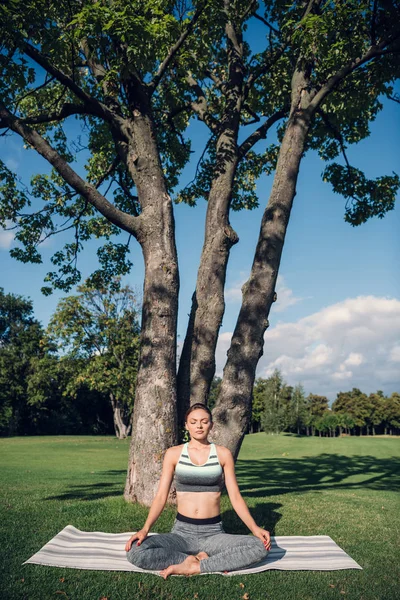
(343, 487)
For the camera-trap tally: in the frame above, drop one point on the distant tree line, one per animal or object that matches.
(278, 407)
(77, 376)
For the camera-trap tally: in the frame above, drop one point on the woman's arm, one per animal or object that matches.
(238, 504)
(159, 499)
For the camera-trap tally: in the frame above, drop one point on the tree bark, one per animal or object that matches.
(197, 362)
(233, 407)
(154, 427)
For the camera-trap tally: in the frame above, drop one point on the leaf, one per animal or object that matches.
(246, 596)
(241, 585)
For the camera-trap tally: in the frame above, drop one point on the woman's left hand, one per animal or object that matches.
(264, 536)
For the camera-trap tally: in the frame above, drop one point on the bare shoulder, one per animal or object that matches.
(173, 453)
(224, 454)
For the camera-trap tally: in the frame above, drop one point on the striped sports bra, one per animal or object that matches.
(198, 478)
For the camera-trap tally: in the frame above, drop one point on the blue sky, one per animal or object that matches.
(336, 323)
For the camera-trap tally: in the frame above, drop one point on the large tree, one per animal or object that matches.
(133, 73)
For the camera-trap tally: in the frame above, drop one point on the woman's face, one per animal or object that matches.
(198, 424)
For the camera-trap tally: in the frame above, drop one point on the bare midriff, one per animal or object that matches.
(198, 505)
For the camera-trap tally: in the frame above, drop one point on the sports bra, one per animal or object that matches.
(198, 478)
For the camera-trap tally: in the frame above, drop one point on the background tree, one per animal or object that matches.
(101, 327)
(298, 409)
(276, 414)
(356, 404)
(376, 402)
(315, 407)
(21, 341)
(59, 406)
(258, 403)
(391, 413)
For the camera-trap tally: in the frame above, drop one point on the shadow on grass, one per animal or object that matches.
(265, 514)
(90, 491)
(273, 476)
(276, 476)
(94, 491)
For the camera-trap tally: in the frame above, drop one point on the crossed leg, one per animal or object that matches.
(228, 552)
(160, 551)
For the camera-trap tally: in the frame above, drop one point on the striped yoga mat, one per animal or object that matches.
(106, 552)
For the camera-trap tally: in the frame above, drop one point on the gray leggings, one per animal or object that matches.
(226, 552)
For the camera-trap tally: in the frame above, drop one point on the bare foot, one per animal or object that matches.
(190, 566)
(201, 555)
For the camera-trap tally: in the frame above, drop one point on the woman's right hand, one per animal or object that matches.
(139, 536)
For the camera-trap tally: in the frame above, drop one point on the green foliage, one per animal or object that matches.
(297, 409)
(276, 394)
(35, 385)
(354, 403)
(99, 328)
(106, 48)
(366, 197)
(125, 38)
(21, 340)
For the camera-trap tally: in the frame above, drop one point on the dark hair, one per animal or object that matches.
(195, 407)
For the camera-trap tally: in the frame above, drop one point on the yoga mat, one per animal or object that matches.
(106, 552)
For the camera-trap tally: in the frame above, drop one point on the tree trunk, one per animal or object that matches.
(197, 361)
(154, 419)
(197, 364)
(233, 407)
(121, 428)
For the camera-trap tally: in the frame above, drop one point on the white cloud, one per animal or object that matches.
(354, 358)
(6, 237)
(285, 295)
(353, 343)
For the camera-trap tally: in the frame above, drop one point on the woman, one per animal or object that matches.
(197, 542)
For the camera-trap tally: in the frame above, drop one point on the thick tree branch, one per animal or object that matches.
(99, 72)
(175, 48)
(85, 189)
(93, 106)
(331, 83)
(200, 107)
(261, 132)
(67, 110)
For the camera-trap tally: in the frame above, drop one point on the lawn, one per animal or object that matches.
(343, 487)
